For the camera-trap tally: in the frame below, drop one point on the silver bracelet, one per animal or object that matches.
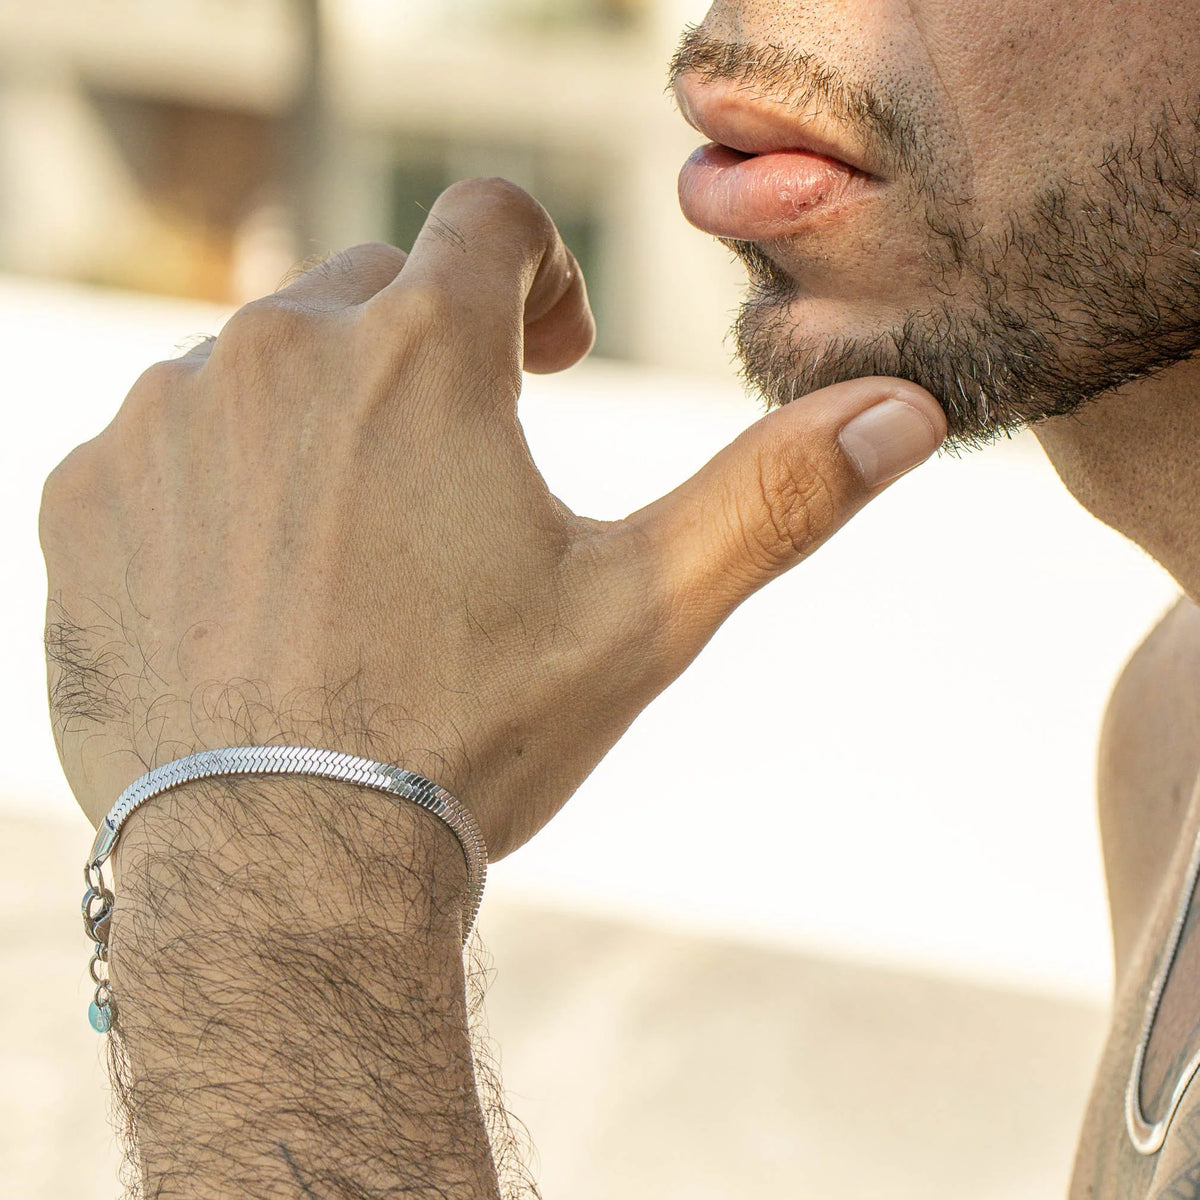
(263, 760)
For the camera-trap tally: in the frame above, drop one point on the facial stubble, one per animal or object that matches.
(1092, 285)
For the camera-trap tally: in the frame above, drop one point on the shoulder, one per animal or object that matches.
(1148, 765)
(1149, 760)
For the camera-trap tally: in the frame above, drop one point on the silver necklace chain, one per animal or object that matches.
(1147, 1138)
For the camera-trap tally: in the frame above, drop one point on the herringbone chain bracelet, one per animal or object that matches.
(98, 900)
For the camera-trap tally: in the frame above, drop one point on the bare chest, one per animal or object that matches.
(1150, 822)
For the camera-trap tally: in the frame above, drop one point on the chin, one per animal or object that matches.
(791, 346)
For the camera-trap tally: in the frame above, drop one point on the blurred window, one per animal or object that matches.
(536, 14)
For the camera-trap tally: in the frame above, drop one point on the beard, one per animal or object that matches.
(1075, 305)
(1094, 284)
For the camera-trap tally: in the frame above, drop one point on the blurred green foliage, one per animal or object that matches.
(565, 14)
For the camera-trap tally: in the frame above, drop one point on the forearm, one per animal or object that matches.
(290, 1011)
(334, 498)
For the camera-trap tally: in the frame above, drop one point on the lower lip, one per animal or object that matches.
(755, 198)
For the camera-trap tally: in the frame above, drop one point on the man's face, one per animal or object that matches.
(1019, 226)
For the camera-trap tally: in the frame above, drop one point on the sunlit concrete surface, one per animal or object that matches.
(668, 1067)
(886, 756)
(55, 1140)
(647, 1065)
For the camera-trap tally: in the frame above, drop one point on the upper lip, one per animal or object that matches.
(727, 114)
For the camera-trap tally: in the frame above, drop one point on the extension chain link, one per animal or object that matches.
(98, 900)
(97, 913)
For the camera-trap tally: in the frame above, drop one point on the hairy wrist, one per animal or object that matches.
(289, 996)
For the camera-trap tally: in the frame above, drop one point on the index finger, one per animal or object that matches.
(493, 258)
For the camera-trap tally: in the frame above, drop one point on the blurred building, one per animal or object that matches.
(199, 148)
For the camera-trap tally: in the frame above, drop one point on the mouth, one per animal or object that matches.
(766, 197)
(766, 174)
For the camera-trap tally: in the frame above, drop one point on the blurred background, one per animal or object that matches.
(879, 969)
(199, 148)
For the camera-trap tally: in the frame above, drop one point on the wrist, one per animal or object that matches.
(300, 849)
(264, 763)
(287, 974)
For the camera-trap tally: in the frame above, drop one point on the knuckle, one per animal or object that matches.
(158, 382)
(261, 357)
(794, 506)
(369, 264)
(60, 482)
(70, 486)
(401, 319)
(148, 407)
(197, 349)
(260, 332)
(380, 254)
(503, 198)
(492, 188)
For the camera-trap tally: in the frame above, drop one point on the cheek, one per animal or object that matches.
(1039, 91)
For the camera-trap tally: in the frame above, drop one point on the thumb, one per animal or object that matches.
(772, 496)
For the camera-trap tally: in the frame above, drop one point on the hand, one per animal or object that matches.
(325, 527)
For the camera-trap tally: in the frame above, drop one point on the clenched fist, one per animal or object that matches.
(325, 528)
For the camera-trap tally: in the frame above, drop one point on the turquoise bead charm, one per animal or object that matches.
(100, 1017)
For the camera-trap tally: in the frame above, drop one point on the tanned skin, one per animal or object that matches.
(1030, 255)
(1133, 459)
(324, 528)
